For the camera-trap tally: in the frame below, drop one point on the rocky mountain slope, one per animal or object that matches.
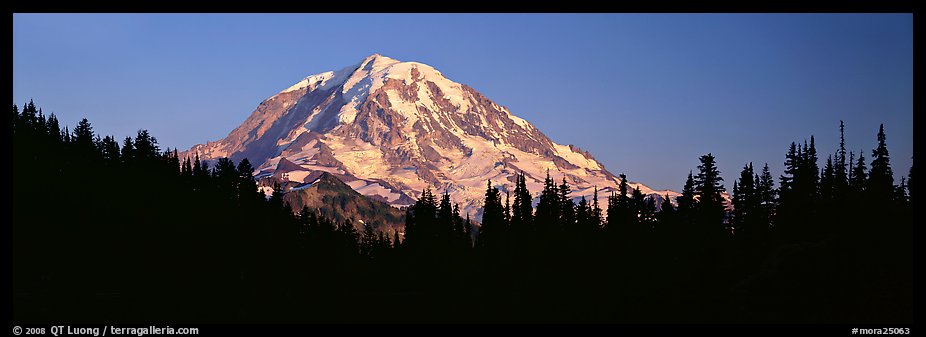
(331, 198)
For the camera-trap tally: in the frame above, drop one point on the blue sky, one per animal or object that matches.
(647, 94)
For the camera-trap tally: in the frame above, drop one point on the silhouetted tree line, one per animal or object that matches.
(130, 233)
(812, 250)
(123, 231)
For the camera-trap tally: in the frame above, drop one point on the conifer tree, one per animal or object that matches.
(792, 168)
(492, 230)
(813, 170)
(110, 150)
(767, 194)
(54, 129)
(128, 150)
(276, 197)
(851, 176)
(459, 230)
(506, 214)
(666, 212)
(445, 231)
(648, 216)
(567, 208)
(548, 206)
(348, 234)
(708, 189)
(83, 136)
(612, 212)
(584, 215)
(247, 187)
(146, 146)
(637, 203)
(596, 210)
(522, 210)
(840, 177)
(40, 127)
(746, 202)
(186, 169)
(424, 229)
(828, 180)
(859, 180)
(686, 201)
(880, 177)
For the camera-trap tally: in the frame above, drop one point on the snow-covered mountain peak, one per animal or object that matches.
(390, 128)
(377, 62)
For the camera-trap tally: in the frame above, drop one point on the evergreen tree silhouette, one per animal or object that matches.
(623, 216)
(146, 147)
(859, 178)
(247, 187)
(813, 170)
(746, 203)
(83, 136)
(708, 188)
(828, 181)
(686, 201)
(637, 212)
(460, 233)
(506, 214)
(522, 211)
(492, 230)
(840, 176)
(667, 214)
(584, 215)
(768, 196)
(54, 129)
(792, 168)
(548, 207)
(596, 210)
(648, 214)
(424, 231)
(109, 148)
(226, 178)
(881, 177)
(128, 151)
(567, 207)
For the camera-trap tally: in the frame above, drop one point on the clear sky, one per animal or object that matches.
(645, 94)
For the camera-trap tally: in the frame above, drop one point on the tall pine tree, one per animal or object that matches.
(708, 188)
(492, 231)
(881, 177)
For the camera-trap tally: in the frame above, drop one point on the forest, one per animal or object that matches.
(122, 231)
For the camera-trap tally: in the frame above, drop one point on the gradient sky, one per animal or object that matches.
(645, 94)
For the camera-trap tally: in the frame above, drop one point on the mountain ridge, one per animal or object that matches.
(331, 198)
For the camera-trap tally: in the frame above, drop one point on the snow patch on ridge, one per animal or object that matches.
(321, 81)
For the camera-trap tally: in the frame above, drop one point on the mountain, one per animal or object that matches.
(329, 197)
(389, 129)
